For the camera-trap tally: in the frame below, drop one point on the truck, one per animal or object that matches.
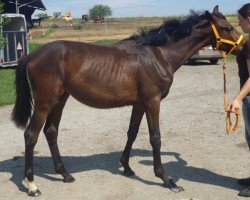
(15, 35)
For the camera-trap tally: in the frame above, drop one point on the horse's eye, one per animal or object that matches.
(228, 29)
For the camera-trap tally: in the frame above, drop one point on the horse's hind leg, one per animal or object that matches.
(135, 121)
(31, 136)
(51, 133)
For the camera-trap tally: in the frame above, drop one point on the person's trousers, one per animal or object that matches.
(246, 117)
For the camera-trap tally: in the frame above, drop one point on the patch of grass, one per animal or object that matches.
(105, 42)
(50, 31)
(7, 90)
(77, 27)
(34, 46)
(231, 58)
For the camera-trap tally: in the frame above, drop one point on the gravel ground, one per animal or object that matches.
(196, 151)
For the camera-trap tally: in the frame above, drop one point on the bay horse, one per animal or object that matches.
(98, 19)
(136, 71)
(85, 17)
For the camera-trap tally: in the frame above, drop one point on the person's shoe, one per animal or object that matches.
(244, 181)
(244, 193)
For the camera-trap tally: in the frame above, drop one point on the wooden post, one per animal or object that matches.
(106, 31)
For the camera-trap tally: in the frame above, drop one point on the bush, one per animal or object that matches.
(54, 26)
(77, 27)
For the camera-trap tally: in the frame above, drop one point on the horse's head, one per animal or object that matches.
(225, 37)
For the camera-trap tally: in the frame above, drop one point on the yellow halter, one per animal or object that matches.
(220, 40)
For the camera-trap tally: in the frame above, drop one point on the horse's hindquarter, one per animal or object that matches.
(103, 77)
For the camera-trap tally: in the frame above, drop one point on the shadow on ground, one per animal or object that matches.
(178, 169)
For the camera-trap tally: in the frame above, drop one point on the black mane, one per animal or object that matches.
(173, 29)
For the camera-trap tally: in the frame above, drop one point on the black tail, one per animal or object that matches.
(23, 106)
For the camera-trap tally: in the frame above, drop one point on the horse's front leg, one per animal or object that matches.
(152, 113)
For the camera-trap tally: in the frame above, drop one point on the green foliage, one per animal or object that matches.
(34, 46)
(54, 26)
(3, 42)
(2, 23)
(45, 15)
(231, 58)
(1, 8)
(51, 30)
(100, 10)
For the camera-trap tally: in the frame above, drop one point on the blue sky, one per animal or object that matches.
(126, 8)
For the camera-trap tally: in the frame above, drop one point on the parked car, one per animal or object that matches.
(206, 53)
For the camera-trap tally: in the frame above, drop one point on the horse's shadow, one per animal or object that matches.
(109, 162)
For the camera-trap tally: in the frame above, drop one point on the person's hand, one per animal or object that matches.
(234, 106)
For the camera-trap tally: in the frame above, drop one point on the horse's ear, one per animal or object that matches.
(216, 10)
(209, 16)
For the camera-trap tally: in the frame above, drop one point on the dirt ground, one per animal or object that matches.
(196, 151)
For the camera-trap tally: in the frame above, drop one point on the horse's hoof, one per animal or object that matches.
(173, 187)
(68, 179)
(34, 193)
(128, 173)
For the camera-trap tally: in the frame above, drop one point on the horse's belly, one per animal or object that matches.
(103, 97)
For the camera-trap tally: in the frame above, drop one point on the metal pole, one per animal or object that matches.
(27, 3)
(17, 10)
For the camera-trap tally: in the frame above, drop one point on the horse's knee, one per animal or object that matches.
(132, 133)
(155, 141)
(30, 138)
(51, 133)
(49, 128)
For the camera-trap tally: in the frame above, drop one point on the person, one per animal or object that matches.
(243, 60)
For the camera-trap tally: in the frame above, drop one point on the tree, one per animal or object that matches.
(100, 10)
(3, 22)
(57, 14)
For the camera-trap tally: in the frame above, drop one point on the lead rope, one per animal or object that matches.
(229, 125)
(219, 41)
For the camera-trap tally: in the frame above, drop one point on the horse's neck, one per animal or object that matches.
(184, 49)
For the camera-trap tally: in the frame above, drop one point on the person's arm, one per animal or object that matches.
(235, 104)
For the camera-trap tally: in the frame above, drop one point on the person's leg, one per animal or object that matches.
(246, 117)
